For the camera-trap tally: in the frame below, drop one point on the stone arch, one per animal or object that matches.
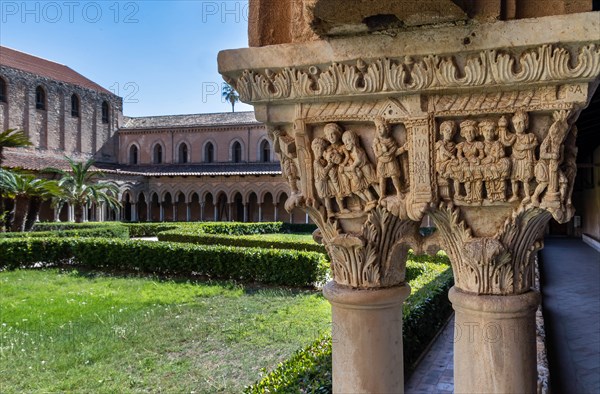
(3, 90)
(183, 151)
(205, 153)
(154, 152)
(234, 154)
(133, 146)
(264, 150)
(41, 97)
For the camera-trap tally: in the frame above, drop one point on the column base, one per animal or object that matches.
(367, 338)
(494, 342)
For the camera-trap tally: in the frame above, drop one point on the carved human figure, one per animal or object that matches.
(547, 173)
(496, 166)
(387, 150)
(321, 167)
(469, 154)
(285, 146)
(445, 160)
(359, 170)
(523, 153)
(337, 154)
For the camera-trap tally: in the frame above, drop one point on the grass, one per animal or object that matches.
(85, 332)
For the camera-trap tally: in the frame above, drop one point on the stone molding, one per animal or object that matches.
(487, 69)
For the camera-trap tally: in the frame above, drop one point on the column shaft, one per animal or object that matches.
(494, 342)
(367, 338)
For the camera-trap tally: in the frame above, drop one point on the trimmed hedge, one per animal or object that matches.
(137, 230)
(98, 231)
(426, 310)
(277, 241)
(269, 266)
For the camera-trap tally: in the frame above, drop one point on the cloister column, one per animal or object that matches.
(469, 122)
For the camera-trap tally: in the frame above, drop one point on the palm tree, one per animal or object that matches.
(80, 187)
(23, 188)
(12, 138)
(230, 95)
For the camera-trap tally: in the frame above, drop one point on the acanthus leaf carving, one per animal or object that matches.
(545, 63)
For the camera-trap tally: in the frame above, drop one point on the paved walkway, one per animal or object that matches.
(570, 272)
(435, 372)
(570, 275)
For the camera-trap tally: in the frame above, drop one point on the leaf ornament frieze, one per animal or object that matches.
(486, 69)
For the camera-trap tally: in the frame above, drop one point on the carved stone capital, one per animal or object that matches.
(373, 133)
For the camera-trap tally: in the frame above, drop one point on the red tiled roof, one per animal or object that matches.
(45, 68)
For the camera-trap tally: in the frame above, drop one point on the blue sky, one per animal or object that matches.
(160, 56)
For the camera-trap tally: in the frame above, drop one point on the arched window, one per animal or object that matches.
(74, 106)
(209, 152)
(104, 112)
(157, 154)
(3, 92)
(40, 98)
(183, 153)
(236, 152)
(133, 154)
(265, 151)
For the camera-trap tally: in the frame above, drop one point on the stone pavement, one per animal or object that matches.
(570, 279)
(435, 372)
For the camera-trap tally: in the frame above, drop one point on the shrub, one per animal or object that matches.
(298, 227)
(137, 230)
(425, 311)
(270, 266)
(98, 231)
(277, 241)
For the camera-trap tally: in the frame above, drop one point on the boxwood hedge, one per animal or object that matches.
(277, 241)
(269, 266)
(112, 231)
(425, 311)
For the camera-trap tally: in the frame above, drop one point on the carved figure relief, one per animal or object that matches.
(446, 164)
(470, 153)
(387, 152)
(523, 159)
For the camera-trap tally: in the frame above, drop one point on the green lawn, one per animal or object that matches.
(68, 331)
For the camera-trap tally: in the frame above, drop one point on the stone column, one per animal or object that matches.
(498, 332)
(367, 363)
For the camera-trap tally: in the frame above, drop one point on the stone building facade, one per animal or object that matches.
(169, 168)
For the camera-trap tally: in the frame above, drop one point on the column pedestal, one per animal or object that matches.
(367, 338)
(494, 342)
